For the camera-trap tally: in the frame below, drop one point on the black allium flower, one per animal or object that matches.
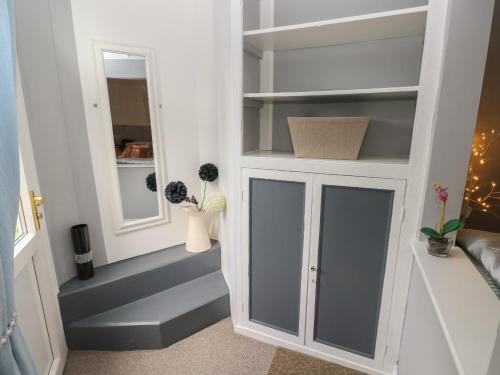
(151, 181)
(208, 172)
(176, 192)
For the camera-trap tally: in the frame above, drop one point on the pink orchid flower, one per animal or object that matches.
(442, 192)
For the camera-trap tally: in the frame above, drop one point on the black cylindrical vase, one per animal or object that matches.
(83, 253)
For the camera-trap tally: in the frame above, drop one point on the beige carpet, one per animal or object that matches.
(216, 350)
(293, 363)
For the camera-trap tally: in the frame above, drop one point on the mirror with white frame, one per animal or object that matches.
(130, 116)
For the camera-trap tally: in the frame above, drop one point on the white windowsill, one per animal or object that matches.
(468, 310)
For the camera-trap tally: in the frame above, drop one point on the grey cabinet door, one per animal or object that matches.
(355, 224)
(276, 211)
(356, 230)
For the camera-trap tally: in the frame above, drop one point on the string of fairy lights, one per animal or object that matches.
(481, 195)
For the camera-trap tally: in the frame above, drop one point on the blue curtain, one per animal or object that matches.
(14, 356)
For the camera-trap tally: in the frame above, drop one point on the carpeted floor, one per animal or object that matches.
(216, 350)
(293, 363)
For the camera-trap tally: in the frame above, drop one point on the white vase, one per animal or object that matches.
(197, 239)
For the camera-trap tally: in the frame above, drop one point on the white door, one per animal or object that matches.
(357, 222)
(34, 277)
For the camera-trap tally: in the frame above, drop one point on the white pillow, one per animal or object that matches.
(490, 258)
(483, 246)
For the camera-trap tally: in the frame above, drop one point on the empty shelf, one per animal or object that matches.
(405, 92)
(375, 26)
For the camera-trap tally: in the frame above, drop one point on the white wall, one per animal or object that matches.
(138, 202)
(495, 357)
(229, 143)
(180, 34)
(47, 61)
(488, 118)
(465, 58)
(424, 349)
(124, 68)
(55, 98)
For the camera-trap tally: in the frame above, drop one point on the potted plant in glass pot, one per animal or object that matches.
(437, 242)
(176, 192)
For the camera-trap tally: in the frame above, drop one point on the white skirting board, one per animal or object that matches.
(57, 367)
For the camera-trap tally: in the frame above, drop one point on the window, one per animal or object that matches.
(21, 224)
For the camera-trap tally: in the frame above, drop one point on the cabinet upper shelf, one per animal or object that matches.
(386, 93)
(375, 26)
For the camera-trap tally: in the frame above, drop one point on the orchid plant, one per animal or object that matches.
(444, 227)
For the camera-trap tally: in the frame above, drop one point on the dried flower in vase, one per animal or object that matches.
(215, 203)
(151, 181)
(176, 192)
(208, 172)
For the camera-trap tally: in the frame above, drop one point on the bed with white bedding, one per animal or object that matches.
(484, 250)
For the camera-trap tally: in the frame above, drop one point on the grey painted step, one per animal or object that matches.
(123, 282)
(156, 321)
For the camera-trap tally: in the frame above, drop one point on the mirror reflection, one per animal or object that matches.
(133, 140)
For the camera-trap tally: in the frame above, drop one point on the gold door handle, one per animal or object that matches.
(36, 202)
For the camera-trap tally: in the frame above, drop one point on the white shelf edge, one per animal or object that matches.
(265, 39)
(150, 165)
(403, 91)
(335, 21)
(396, 167)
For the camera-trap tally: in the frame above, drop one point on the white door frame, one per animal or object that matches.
(305, 178)
(33, 249)
(399, 187)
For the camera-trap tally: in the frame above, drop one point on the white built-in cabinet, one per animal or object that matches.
(332, 58)
(323, 254)
(320, 251)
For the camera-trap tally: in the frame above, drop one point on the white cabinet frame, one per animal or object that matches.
(414, 171)
(312, 215)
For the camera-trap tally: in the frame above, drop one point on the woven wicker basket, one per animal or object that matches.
(327, 137)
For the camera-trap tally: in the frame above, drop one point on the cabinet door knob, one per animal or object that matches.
(313, 269)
